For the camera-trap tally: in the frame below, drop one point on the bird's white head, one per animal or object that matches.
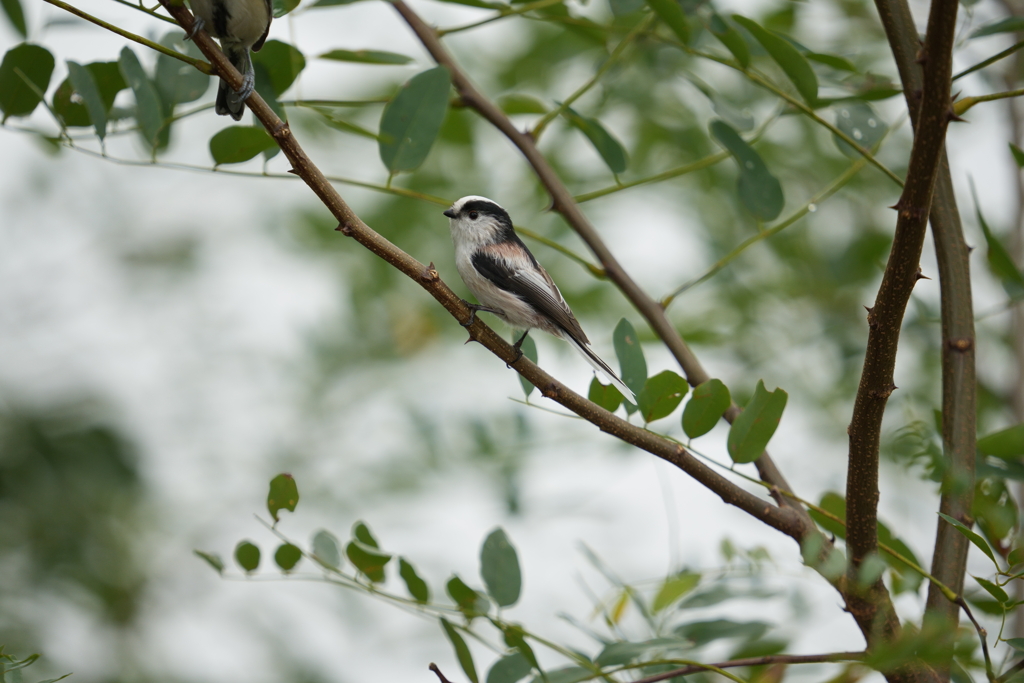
(478, 220)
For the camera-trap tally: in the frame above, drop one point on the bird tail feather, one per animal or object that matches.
(228, 101)
(601, 367)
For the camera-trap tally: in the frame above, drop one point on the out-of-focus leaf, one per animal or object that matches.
(674, 588)
(284, 492)
(212, 559)
(606, 396)
(176, 81)
(247, 555)
(610, 149)
(671, 12)
(499, 568)
(529, 349)
(416, 586)
(265, 88)
(703, 632)
(705, 408)
(326, 549)
(835, 504)
(999, 260)
(1016, 643)
(469, 601)
(84, 84)
(14, 12)
(462, 652)
(368, 560)
(1008, 25)
(509, 669)
(759, 190)
(621, 8)
(731, 38)
(109, 81)
(787, 57)
(24, 77)
(361, 532)
(567, 674)
(861, 123)
(283, 63)
(632, 365)
(834, 61)
(754, 427)
(1018, 155)
(287, 556)
(995, 591)
(974, 538)
(994, 509)
(412, 120)
(366, 57)
(1016, 557)
(517, 103)
(331, 118)
(332, 3)
(617, 654)
(482, 4)
(283, 7)
(236, 144)
(661, 395)
(148, 107)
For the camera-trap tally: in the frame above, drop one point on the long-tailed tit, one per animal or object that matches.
(240, 25)
(507, 280)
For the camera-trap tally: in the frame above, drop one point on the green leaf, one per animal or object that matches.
(332, 3)
(617, 654)
(247, 555)
(462, 652)
(632, 365)
(236, 144)
(326, 549)
(84, 84)
(368, 560)
(1009, 25)
(661, 395)
(469, 601)
(366, 57)
(283, 7)
(608, 147)
(517, 103)
(834, 61)
(671, 12)
(974, 538)
(108, 79)
(861, 123)
(12, 8)
(24, 77)
(283, 63)
(515, 637)
(265, 88)
(606, 396)
(529, 349)
(416, 586)
(731, 38)
(412, 120)
(212, 559)
(1018, 155)
(704, 632)
(999, 260)
(176, 81)
(835, 504)
(754, 427)
(567, 674)
(287, 556)
(283, 495)
(509, 669)
(1016, 643)
(499, 568)
(1016, 557)
(361, 532)
(759, 190)
(787, 57)
(149, 112)
(331, 118)
(995, 591)
(674, 588)
(1007, 444)
(709, 401)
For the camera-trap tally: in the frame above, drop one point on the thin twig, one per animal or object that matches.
(961, 106)
(991, 60)
(757, 661)
(502, 14)
(982, 635)
(433, 667)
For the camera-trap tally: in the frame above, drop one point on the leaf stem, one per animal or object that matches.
(502, 13)
(961, 106)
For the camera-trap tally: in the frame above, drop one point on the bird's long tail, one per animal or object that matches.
(601, 367)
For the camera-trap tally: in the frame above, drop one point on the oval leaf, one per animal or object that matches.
(671, 12)
(287, 556)
(85, 85)
(236, 144)
(661, 395)
(24, 77)
(148, 108)
(759, 191)
(326, 549)
(416, 586)
(283, 495)
(1007, 443)
(974, 538)
(369, 561)
(731, 38)
(517, 103)
(499, 568)
(674, 588)
(755, 426)
(247, 555)
(795, 66)
(212, 559)
(529, 349)
(469, 601)
(608, 147)
(412, 120)
(283, 63)
(366, 57)
(995, 591)
(861, 123)
(462, 652)
(709, 401)
(606, 396)
(632, 365)
(361, 532)
(176, 81)
(283, 7)
(509, 669)
(14, 12)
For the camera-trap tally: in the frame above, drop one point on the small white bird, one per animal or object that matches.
(505, 277)
(240, 25)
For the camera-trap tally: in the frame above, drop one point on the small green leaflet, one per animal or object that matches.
(517, 103)
(148, 108)
(283, 7)
(709, 401)
(759, 190)
(861, 123)
(674, 588)
(499, 568)
(999, 260)
(995, 591)
(509, 669)
(212, 559)
(462, 652)
(632, 364)
(1009, 25)
(326, 549)
(416, 586)
(14, 12)
(754, 427)
(606, 396)
(366, 57)
(661, 395)
(236, 144)
(176, 81)
(671, 12)
(974, 538)
(529, 349)
(283, 63)
(85, 85)
(361, 532)
(283, 495)
(731, 38)
(412, 120)
(287, 556)
(108, 79)
(368, 560)
(469, 601)
(787, 57)
(24, 76)
(1007, 444)
(247, 555)
(610, 149)
(834, 61)
(1018, 155)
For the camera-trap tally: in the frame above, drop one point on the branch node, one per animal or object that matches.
(345, 229)
(883, 393)
(961, 344)
(872, 318)
(433, 667)
(550, 391)
(429, 274)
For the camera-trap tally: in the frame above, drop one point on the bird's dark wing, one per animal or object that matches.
(533, 286)
(266, 32)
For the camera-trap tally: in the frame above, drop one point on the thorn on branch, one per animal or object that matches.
(429, 274)
(920, 276)
(433, 667)
(962, 344)
(883, 393)
(872, 319)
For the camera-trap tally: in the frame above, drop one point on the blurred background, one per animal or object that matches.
(172, 337)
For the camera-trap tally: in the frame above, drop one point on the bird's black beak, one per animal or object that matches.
(449, 213)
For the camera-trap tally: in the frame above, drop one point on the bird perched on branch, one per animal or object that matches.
(507, 280)
(240, 25)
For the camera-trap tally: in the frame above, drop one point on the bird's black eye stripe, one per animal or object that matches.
(474, 215)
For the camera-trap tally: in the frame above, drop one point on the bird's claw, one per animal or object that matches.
(197, 25)
(248, 86)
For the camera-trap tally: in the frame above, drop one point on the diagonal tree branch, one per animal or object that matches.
(563, 202)
(873, 609)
